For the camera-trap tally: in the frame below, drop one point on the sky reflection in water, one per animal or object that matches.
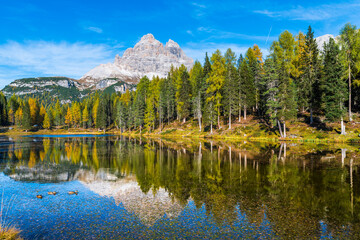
(163, 189)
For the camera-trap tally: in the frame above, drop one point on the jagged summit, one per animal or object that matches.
(148, 57)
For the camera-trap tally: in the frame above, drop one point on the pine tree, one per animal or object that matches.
(215, 83)
(309, 85)
(350, 46)
(198, 91)
(85, 116)
(283, 53)
(333, 85)
(48, 120)
(248, 91)
(230, 86)
(140, 102)
(34, 110)
(13, 106)
(26, 117)
(3, 110)
(57, 114)
(183, 93)
(272, 90)
(68, 117)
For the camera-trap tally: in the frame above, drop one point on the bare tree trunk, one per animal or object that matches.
(343, 156)
(350, 117)
(245, 112)
(211, 127)
(199, 119)
(342, 127)
(279, 124)
(184, 120)
(284, 130)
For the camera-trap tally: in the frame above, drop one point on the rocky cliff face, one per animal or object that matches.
(149, 57)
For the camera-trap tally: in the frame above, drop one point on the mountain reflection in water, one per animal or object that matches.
(164, 189)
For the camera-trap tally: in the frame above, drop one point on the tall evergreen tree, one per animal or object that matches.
(350, 45)
(198, 91)
(3, 110)
(334, 86)
(26, 117)
(215, 82)
(183, 94)
(230, 86)
(140, 102)
(309, 84)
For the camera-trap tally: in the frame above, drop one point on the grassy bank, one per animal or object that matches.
(255, 130)
(9, 233)
(249, 129)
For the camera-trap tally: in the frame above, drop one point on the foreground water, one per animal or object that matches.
(143, 188)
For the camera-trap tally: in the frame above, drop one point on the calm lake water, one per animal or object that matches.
(152, 188)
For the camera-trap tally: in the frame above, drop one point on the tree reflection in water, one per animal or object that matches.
(300, 191)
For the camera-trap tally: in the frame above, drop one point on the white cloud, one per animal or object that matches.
(317, 13)
(41, 58)
(190, 32)
(95, 29)
(198, 5)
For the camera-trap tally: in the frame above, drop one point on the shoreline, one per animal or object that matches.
(175, 134)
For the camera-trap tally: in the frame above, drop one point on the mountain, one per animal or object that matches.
(321, 40)
(63, 88)
(149, 57)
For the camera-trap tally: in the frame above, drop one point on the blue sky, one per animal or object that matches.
(68, 38)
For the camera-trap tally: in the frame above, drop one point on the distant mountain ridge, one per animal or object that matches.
(149, 57)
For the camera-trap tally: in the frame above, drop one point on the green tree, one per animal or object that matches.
(26, 117)
(3, 110)
(183, 93)
(350, 46)
(309, 84)
(198, 91)
(230, 86)
(215, 83)
(48, 119)
(334, 86)
(140, 102)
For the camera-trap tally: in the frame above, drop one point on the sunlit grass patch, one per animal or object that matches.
(9, 233)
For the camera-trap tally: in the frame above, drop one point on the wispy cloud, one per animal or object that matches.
(198, 5)
(220, 34)
(199, 10)
(190, 32)
(317, 13)
(40, 58)
(94, 29)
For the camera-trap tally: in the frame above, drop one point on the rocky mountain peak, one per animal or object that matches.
(321, 40)
(148, 58)
(172, 44)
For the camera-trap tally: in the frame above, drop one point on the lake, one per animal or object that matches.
(165, 189)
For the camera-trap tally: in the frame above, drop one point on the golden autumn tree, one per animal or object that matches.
(34, 110)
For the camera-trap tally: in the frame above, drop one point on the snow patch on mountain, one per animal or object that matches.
(148, 58)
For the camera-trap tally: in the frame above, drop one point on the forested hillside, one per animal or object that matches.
(296, 78)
